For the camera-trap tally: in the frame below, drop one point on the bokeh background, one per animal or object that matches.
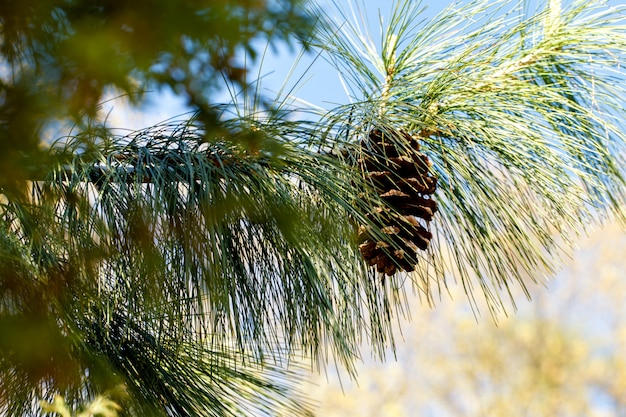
(559, 354)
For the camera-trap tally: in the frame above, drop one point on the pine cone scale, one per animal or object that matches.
(400, 175)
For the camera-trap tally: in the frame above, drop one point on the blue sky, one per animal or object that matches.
(317, 82)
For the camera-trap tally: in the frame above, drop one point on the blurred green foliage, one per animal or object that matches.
(58, 59)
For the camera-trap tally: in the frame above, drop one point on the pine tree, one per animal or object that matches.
(178, 269)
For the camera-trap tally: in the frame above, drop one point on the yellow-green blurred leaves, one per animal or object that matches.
(101, 406)
(561, 354)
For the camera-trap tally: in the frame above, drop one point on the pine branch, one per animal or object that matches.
(520, 116)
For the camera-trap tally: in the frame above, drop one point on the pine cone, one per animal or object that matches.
(400, 174)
